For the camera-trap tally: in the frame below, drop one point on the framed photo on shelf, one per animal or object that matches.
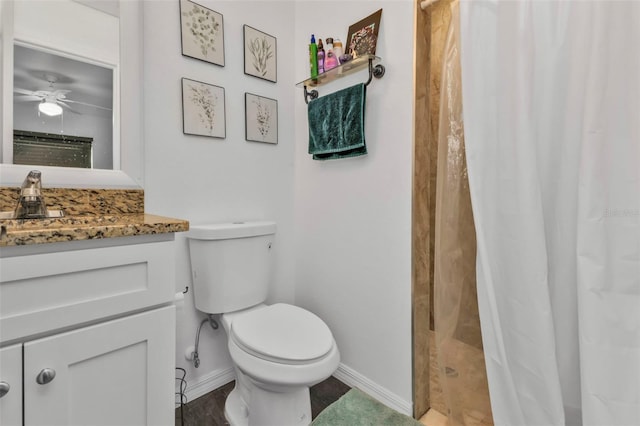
(363, 35)
(260, 54)
(261, 119)
(202, 32)
(203, 109)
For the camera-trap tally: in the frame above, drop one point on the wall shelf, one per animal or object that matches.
(371, 61)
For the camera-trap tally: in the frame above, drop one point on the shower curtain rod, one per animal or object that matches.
(424, 4)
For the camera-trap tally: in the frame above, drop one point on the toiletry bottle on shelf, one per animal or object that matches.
(320, 56)
(330, 60)
(313, 57)
(337, 49)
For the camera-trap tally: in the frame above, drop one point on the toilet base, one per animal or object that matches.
(252, 405)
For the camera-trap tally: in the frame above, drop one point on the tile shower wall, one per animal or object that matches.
(422, 214)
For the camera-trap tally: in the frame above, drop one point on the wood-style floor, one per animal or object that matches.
(209, 409)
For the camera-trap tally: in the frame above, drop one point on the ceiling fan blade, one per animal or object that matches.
(23, 91)
(60, 93)
(86, 104)
(63, 104)
(27, 98)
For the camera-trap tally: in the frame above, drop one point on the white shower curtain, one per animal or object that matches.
(551, 102)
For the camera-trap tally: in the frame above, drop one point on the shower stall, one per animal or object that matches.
(453, 379)
(531, 213)
(459, 357)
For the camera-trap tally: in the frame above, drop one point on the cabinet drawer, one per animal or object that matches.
(45, 292)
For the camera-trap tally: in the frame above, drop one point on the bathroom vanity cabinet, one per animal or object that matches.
(87, 332)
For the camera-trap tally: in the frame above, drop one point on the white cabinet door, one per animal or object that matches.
(119, 372)
(11, 386)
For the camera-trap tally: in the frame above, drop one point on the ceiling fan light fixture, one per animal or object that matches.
(50, 108)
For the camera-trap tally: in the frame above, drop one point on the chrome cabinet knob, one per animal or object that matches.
(45, 376)
(4, 388)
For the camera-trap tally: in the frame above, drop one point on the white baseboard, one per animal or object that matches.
(349, 376)
(209, 382)
(354, 379)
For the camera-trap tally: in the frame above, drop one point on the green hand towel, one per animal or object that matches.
(336, 124)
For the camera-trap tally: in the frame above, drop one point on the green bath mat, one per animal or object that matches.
(355, 408)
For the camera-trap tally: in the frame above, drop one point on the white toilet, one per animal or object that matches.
(278, 350)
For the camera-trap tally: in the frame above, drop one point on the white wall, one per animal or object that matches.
(347, 252)
(212, 180)
(353, 216)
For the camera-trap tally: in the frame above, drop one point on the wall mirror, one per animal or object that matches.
(66, 65)
(62, 111)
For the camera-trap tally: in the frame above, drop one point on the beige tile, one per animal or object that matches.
(464, 395)
(434, 418)
(422, 216)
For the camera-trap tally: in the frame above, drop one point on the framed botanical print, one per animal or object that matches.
(202, 33)
(203, 109)
(260, 54)
(261, 119)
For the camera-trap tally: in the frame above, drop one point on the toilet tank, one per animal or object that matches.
(230, 264)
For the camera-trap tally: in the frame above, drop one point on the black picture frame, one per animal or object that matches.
(260, 54)
(202, 33)
(203, 109)
(260, 119)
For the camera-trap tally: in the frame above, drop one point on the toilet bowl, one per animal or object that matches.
(278, 350)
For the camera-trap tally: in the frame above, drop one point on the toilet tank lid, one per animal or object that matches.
(225, 231)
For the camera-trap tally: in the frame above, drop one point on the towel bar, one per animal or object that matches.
(376, 71)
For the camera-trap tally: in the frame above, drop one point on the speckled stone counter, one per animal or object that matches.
(42, 231)
(89, 214)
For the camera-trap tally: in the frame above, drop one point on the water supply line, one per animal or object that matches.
(214, 324)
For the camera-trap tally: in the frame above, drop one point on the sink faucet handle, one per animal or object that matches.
(32, 185)
(33, 180)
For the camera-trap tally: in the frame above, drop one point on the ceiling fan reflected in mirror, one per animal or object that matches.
(52, 101)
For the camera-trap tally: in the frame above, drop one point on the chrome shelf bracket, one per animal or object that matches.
(309, 94)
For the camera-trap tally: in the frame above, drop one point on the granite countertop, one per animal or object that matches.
(89, 214)
(72, 228)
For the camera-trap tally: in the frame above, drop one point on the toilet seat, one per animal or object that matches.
(283, 334)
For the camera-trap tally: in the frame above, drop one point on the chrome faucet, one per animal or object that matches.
(31, 203)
